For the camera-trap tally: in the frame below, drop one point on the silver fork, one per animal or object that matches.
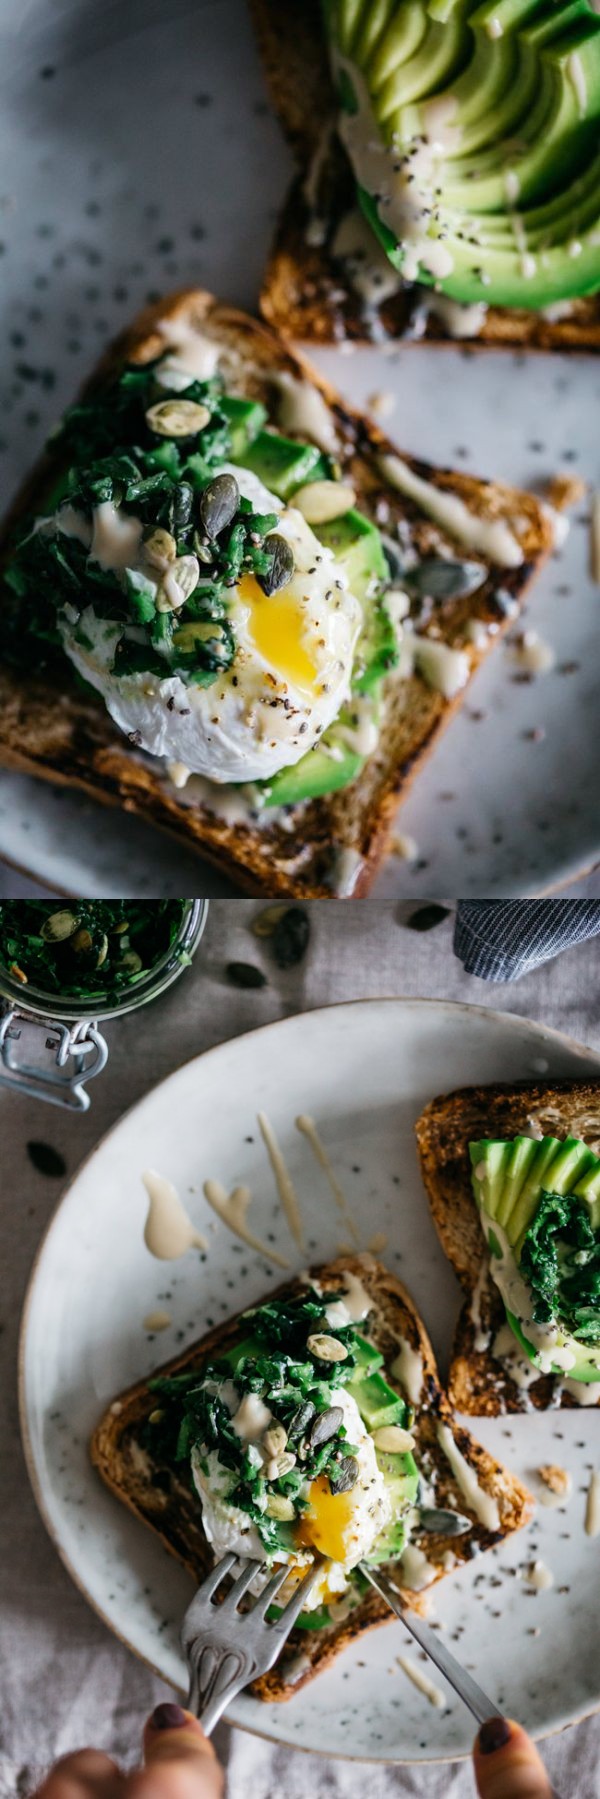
(226, 1649)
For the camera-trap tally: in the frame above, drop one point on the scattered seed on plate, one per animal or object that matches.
(263, 925)
(245, 974)
(426, 917)
(290, 937)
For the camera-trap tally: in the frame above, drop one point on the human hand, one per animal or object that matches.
(179, 1763)
(507, 1764)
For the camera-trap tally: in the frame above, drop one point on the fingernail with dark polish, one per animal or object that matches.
(167, 1717)
(493, 1734)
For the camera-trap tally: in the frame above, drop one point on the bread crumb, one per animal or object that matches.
(566, 490)
(557, 1479)
(405, 847)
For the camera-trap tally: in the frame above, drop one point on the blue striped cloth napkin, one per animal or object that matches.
(499, 940)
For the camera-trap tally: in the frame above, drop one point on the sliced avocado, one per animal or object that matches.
(356, 545)
(378, 1403)
(401, 1477)
(506, 209)
(282, 463)
(367, 1357)
(316, 773)
(512, 1195)
(246, 418)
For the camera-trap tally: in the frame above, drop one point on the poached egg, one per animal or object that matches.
(289, 677)
(341, 1527)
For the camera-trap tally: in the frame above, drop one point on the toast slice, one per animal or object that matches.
(164, 1500)
(306, 293)
(479, 1383)
(325, 847)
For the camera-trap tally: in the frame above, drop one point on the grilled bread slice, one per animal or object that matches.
(479, 1383)
(329, 846)
(162, 1498)
(305, 291)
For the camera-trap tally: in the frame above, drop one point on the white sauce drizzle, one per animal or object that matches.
(518, 1366)
(369, 271)
(459, 320)
(195, 353)
(548, 1340)
(592, 1507)
(532, 654)
(307, 1126)
(421, 1681)
(481, 1503)
(408, 1369)
(251, 1419)
(415, 1570)
(116, 537)
(540, 1577)
(583, 1392)
(316, 228)
(157, 1321)
(492, 536)
(283, 1180)
(168, 1231)
(405, 193)
(348, 867)
(481, 1337)
(304, 412)
(232, 1209)
(444, 669)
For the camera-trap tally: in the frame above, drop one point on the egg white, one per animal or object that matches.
(255, 718)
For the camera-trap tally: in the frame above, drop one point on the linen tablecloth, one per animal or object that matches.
(64, 1680)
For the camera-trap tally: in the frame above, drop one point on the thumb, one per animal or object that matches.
(507, 1764)
(178, 1758)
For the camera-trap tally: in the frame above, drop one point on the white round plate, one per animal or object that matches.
(364, 1070)
(140, 154)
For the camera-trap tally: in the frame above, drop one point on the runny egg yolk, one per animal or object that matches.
(327, 1524)
(277, 628)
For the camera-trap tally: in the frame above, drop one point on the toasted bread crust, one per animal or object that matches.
(49, 728)
(479, 1384)
(304, 294)
(173, 1510)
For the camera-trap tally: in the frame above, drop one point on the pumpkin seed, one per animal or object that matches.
(59, 926)
(18, 973)
(131, 963)
(291, 936)
(449, 1524)
(159, 547)
(177, 418)
(301, 1419)
(274, 1440)
(102, 951)
(218, 504)
(82, 942)
(438, 578)
(393, 1438)
(264, 923)
(282, 564)
(155, 1416)
(244, 974)
(321, 501)
(327, 1349)
(281, 1464)
(180, 582)
(325, 1426)
(278, 1507)
(342, 1476)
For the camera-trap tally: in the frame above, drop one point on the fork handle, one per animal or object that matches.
(215, 1678)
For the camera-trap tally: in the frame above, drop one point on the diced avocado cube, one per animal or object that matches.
(246, 419)
(378, 1403)
(280, 462)
(367, 1356)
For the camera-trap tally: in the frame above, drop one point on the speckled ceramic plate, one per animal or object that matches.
(364, 1070)
(138, 154)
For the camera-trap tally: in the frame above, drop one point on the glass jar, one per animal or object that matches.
(59, 1053)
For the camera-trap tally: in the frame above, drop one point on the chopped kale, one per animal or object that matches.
(560, 1261)
(112, 456)
(87, 948)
